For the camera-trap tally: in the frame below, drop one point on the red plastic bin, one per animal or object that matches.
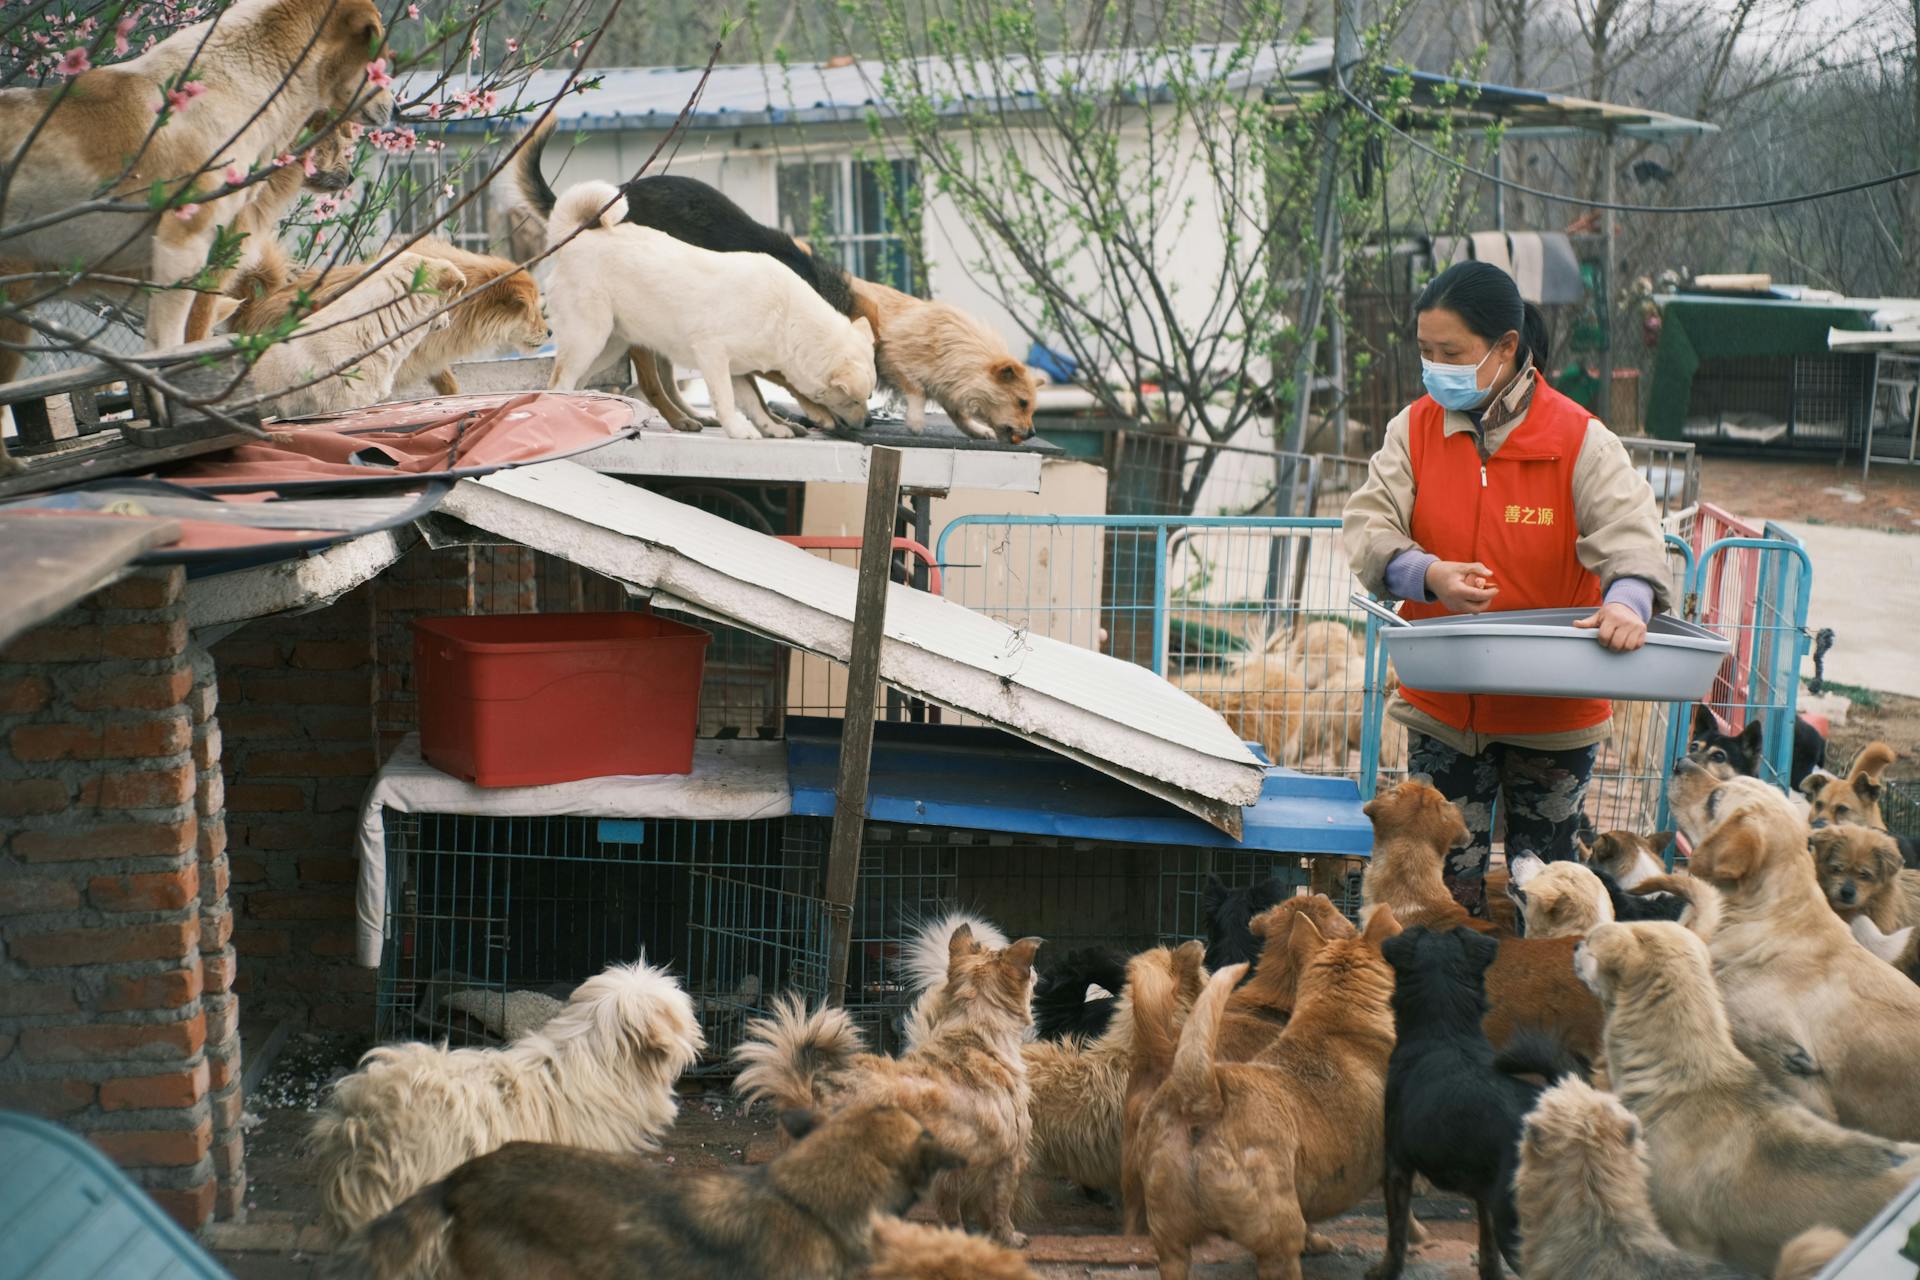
(520, 700)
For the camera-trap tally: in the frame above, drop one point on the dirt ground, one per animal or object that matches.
(1072, 1236)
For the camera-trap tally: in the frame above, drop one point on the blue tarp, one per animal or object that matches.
(985, 780)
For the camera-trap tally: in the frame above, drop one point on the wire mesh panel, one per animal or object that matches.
(1900, 806)
(1672, 469)
(1755, 591)
(480, 908)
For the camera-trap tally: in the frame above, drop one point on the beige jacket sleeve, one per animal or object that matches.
(1375, 525)
(1618, 518)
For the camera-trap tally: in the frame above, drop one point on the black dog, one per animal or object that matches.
(1060, 1004)
(1628, 907)
(1742, 752)
(1454, 1108)
(688, 209)
(1228, 912)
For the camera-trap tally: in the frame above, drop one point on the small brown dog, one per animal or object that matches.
(1256, 1151)
(1163, 993)
(1625, 855)
(1862, 874)
(1258, 1009)
(905, 1250)
(1854, 799)
(935, 351)
(500, 311)
(966, 1081)
(561, 1213)
(1737, 1168)
(1532, 983)
(1826, 1021)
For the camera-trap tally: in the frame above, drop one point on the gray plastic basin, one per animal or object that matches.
(1538, 652)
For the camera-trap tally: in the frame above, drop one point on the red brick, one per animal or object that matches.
(165, 941)
(230, 1156)
(230, 1199)
(31, 796)
(20, 897)
(266, 797)
(213, 837)
(49, 1098)
(330, 655)
(114, 840)
(305, 689)
(213, 885)
(216, 969)
(167, 990)
(174, 1091)
(138, 739)
(226, 1108)
(342, 762)
(221, 1070)
(151, 891)
(223, 1017)
(326, 870)
(261, 943)
(23, 695)
(270, 904)
(114, 1041)
(332, 945)
(206, 747)
(133, 693)
(156, 1148)
(191, 1208)
(238, 651)
(329, 979)
(17, 998)
(36, 742)
(210, 793)
(146, 788)
(141, 591)
(247, 869)
(216, 928)
(242, 723)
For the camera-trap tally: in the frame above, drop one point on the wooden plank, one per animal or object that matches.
(49, 562)
(105, 455)
(856, 735)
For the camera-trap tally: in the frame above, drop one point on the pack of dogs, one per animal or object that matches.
(665, 270)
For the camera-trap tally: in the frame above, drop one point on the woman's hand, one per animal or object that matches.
(1461, 587)
(1618, 627)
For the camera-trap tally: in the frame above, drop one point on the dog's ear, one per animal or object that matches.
(1303, 942)
(1212, 894)
(1006, 370)
(1582, 847)
(1731, 853)
(1481, 948)
(798, 1122)
(1821, 840)
(1020, 955)
(1814, 783)
(1659, 841)
(1752, 736)
(1704, 721)
(960, 942)
(1886, 858)
(1381, 928)
(864, 328)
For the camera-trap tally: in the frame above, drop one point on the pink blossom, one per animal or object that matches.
(121, 30)
(433, 110)
(473, 47)
(42, 39)
(326, 207)
(88, 27)
(513, 45)
(307, 164)
(377, 74)
(576, 47)
(282, 160)
(434, 144)
(74, 62)
(186, 212)
(233, 175)
(413, 11)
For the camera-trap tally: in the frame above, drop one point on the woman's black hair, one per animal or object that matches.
(1488, 302)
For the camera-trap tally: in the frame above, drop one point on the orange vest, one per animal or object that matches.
(1514, 514)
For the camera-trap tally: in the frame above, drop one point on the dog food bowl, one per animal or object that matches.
(1540, 653)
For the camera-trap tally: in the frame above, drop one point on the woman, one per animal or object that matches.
(1493, 491)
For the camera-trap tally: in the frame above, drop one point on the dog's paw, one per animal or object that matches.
(1317, 1243)
(1011, 1239)
(775, 429)
(737, 426)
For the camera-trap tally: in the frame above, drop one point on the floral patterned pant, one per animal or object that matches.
(1543, 795)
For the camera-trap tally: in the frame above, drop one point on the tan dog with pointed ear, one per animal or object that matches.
(1560, 899)
(1825, 1020)
(1862, 874)
(1626, 855)
(1854, 799)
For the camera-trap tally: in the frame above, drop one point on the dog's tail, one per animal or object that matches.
(586, 206)
(1703, 900)
(926, 955)
(534, 190)
(1807, 1254)
(1872, 760)
(788, 1053)
(1533, 1052)
(1194, 1083)
(410, 1243)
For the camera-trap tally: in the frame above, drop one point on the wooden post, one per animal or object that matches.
(856, 730)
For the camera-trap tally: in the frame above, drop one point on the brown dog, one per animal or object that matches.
(1862, 874)
(1825, 1020)
(1255, 1151)
(966, 1080)
(1737, 1168)
(1854, 799)
(935, 351)
(561, 1213)
(1626, 855)
(1163, 993)
(1258, 1009)
(1532, 983)
(499, 309)
(905, 1250)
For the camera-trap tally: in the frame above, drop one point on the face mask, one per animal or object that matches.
(1455, 386)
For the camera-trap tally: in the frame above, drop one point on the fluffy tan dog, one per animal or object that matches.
(498, 310)
(1854, 799)
(600, 1076)
(1258, 1009)
(1559, 899)
(1582, 1194)
(935, 351)
(1861, 874)
(905, 1250)
(1738, 1168)
(266, 67)
(1255, 1151)
(1532, 983)
(1162, 995)
(1822, 1017)
(966, 1080)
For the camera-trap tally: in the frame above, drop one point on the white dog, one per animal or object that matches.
(600, 1076)
(376, 324)
(729, 315)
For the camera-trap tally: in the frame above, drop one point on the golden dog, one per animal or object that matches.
(1561, 899)
(1258, 1009)
(1163, 993)
(1823, 1018)
(935, 351)
(1738, 1168)
(1854, 799)
(1862, 874)
(1626, 855)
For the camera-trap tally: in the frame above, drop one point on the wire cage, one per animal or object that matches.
(1819, 401)
(1900, 806)
(482, 908)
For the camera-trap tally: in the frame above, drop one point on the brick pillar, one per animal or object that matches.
(104, 907)
(218, 962)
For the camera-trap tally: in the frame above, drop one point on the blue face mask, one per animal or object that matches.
(1455, 386)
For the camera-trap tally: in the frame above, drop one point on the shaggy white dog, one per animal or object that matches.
(600, 1076)
(729, 315)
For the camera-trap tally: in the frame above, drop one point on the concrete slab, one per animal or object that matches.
(1866, 586)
